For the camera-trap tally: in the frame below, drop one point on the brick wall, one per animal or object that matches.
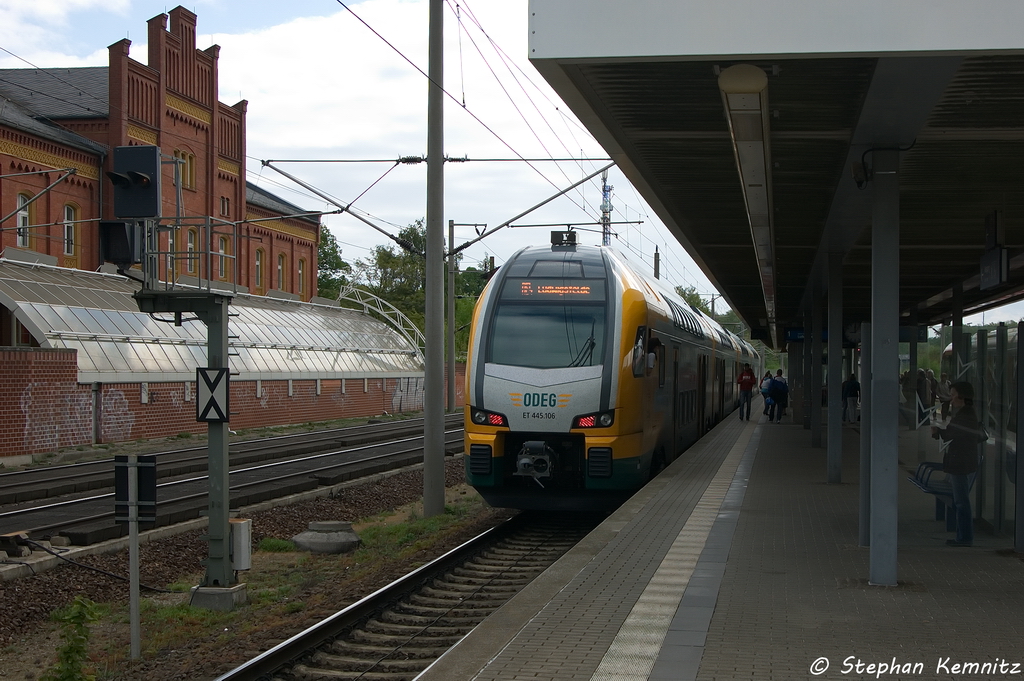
(48, 409)
(43, 408)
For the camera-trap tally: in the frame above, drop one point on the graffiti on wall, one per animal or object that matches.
(118, 418)
(54, 416)
(408, 395)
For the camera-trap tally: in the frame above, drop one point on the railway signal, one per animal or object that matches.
(136, 179)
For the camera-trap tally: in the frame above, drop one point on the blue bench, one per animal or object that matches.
(941, 489)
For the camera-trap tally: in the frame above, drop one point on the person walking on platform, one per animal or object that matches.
(747, 380)
(765, 383)
(778, 392)
(963, 435)
(851, 397)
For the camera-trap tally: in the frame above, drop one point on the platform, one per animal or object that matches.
(740, 562)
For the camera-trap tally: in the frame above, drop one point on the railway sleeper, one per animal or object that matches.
(502, 565)
(524, 558)
(383, 639)
(459, 611)
(305, 673)
(426, 601)
(456, 595)
(357, 664)
(548, 550)
(517, 561)
(439, 617)
(545, 550)
(476, 581)
(489, 574)
(413, 619)
(377, 626)
(461, 588)
(359, 650)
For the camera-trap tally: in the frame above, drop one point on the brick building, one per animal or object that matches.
(55, 120)
(79, 363)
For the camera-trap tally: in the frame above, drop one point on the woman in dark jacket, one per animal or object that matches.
(963, 434)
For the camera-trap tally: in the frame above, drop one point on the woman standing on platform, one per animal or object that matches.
(963, 434)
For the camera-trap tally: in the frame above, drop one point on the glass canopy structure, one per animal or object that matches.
(271, 339)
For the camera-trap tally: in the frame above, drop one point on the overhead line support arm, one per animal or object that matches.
(530, 210)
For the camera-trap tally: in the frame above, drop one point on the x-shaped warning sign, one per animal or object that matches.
(212, 395)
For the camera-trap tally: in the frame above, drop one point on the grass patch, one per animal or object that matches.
(273, 545)
(286, 590)
(399, 540)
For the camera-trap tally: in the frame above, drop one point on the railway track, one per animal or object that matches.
(397, 632)
(47, 482)
(89, 519)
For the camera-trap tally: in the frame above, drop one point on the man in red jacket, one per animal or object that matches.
(747, 380)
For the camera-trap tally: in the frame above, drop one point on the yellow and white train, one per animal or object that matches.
(585, 378)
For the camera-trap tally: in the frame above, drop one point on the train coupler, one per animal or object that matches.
(534, 461)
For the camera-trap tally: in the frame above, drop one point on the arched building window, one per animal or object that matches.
(187, 167)
(23, 221)
(258, 270)
(302, 277)
(280, 273)
(190, 246)
(222, 249)
(70, 216)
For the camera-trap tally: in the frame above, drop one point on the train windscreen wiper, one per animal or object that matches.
(586, 352)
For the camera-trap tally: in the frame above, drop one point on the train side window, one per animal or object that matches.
(639, 354)
(660, 353)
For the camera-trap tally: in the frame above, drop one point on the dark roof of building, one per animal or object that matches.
(59, 93)
(18, 117)
(258, 196)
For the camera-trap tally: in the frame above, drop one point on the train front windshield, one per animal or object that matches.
(547, 335)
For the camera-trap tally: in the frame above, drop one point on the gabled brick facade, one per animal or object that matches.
(73, 118)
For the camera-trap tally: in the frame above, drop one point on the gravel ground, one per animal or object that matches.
(25, 625)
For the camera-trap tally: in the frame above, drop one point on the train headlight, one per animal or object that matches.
(598, 420)
(482, 417)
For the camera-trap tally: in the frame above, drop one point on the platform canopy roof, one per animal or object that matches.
(760, 185)
(96, 315)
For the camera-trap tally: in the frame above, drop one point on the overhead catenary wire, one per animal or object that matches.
(518, 110)
(404, 243)
(507, 62)
(510, 65)
(480, 121)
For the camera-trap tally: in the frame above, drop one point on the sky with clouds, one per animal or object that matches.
(321, 84)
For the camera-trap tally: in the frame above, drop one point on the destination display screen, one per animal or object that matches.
(535, 289)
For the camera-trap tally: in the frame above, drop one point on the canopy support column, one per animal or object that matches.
(885, 364)
(835, 368)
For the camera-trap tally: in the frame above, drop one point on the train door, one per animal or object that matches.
(676, 407)
(702, 393)
(720, 379)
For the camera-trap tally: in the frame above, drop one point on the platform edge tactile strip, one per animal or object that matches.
(635, 649)
(561, 626)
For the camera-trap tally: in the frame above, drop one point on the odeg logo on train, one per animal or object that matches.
(540, 400)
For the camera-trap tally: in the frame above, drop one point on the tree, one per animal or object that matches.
(332, 271)
(690, 295)
(731, 321)
(398, 276)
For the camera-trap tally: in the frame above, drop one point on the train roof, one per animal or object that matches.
(592, 261)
